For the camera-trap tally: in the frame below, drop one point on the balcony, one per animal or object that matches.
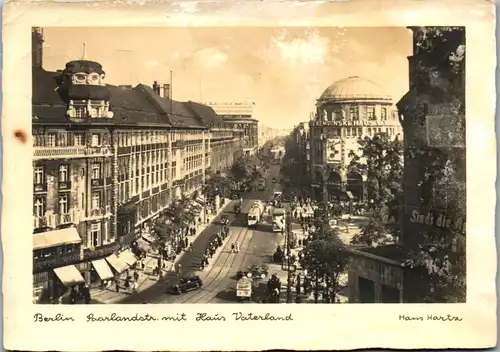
(98, 213)
(56, 152)
(64, 185)
(97, 182)
(101, 251)
(41, 187)
(56, 260)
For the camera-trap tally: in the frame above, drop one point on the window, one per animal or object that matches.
(96, 140)
(96, 171)
(39, 207)
(369, 130)
(96, 200)
(39, 177)
(360, 131)
(63, 204)
(383, 115)
(370, 112)
(51, 140)
(79, 139)
(348, 132)
(353, 113)
(63, 173)
(80, 112)
(354, 130)
(95, 234)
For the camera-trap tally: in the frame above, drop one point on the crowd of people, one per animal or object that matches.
(216, 242)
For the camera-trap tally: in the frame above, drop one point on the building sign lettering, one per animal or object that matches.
(359, 123)
(438, 220)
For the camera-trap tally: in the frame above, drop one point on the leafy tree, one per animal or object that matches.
(325, 258)
(380, 159)
(375, 232)
(217, 185)
(244, 168)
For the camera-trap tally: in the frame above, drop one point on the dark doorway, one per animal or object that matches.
(390, 294)
(366, 290)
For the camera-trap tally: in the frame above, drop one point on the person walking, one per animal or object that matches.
(237, 247)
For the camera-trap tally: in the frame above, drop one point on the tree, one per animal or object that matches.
(380, 159)
(326, 259)
(244, 168)
(375, 232)
(217, 185)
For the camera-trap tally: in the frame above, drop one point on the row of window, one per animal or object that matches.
(66, 139)
(63, 202)
(39, 173)
(354, 113)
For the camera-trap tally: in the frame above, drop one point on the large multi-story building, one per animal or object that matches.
(346, 111)
(239, 115)
(433, 211)
(106, 160)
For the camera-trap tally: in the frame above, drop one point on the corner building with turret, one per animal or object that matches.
(349, 109)
(107, 161)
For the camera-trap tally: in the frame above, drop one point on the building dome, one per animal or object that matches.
(354, 89)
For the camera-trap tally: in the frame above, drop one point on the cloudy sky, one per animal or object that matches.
(282, 70)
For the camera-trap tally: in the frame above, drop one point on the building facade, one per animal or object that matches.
(433, 218)
(106, 161)
(238, 116)
(347, 110)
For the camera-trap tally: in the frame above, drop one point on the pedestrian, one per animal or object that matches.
(232, 247)
(237, 247)
(202, 265)
(191, 247)
(117, 286)
(186, 242)
(127, 283)
(136, 276)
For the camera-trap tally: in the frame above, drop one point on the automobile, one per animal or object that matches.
(186, 284)
(254, 271)
(237, 208)
(224, 220)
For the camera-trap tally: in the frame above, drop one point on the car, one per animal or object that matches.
(224, 220)
(186, 284)
(254, 272)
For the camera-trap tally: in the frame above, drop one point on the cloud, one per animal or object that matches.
(311, 49)
(209, 58)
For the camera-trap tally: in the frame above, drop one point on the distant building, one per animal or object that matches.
(238, 115)
(108, 160)
(346, 111)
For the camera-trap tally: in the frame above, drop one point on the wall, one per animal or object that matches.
(381, 273)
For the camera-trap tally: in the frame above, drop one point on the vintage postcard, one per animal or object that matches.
(257, 176)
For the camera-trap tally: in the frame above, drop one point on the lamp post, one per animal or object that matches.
(289, 255)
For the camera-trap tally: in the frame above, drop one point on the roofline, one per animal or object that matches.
(374, 257)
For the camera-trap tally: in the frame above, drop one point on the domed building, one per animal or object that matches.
(347, 110)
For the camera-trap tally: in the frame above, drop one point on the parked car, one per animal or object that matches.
(186, 285)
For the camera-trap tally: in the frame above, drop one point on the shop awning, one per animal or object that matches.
(69, 275)
(116, 263)
(103, 269)
(56, 238)
(128, 257)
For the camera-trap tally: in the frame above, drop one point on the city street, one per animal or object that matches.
(219, 278)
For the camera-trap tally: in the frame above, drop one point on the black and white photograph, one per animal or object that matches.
(261, 165)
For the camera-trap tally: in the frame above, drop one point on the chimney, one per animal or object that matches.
(37, 40)
(166, 91)
(156, 87)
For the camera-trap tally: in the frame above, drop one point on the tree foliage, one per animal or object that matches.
(293, 166)
(244, 167)
(217, 185)
(177, 217)
(325, 258)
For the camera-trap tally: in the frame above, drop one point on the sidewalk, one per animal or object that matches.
(146, 279)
